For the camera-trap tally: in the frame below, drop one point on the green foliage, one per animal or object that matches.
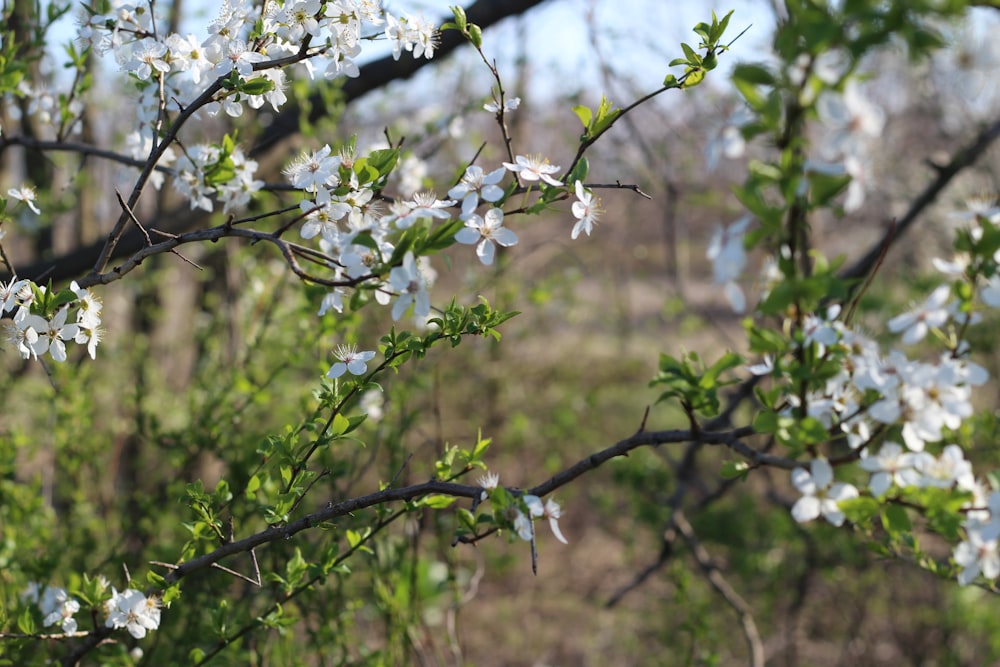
(696, 65)
(695, 385)
(596, 123)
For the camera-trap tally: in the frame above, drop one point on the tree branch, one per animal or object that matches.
(373, 76)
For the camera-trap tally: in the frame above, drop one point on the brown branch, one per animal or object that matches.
(373, 76)
(965, 157)
(714, 575)
(730, 439)
(380, 73)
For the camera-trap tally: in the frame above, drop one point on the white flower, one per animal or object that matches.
(9, 292)
(52, 339)
(534, 168)
(475, 184)
(728, 258)
(332, 301)
(586, 209)
(820, 494)
(312, 172)
(524, 527)
(918, 322)
(488, 232)
(892, 466)
(852, 120)
(58, 607)
(765, 367)
(25, 194)
(88, 314)
(489, 482)
(238, 56)
(135, 612)
(411, 33)
(977, 555)
(550, 510)
(411, 285)
(350, 361)
(424, 205)
(148, 55)
(187, 55)
(728, 140)
(508, 105)
(947, 470)
(411, 171)
(372, 404)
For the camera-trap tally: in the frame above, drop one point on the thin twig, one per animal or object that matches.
(735, 600)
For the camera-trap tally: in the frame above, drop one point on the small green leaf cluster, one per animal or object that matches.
(453, 324)
(695, 64)
(693, 383)
(596, 122)
(456, 462)
(470, 31)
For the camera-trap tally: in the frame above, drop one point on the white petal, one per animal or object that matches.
(803, 481)
(468, 236)
(485, 251)
(554, 525)
(505, 237)
(822, 472)
(806, 509)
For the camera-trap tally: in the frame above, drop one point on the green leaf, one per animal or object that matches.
(752, 73)
(383, 160)
(353, 538)
(438, 502)
(735, 469)
(257, 86)
(460, 20)
(26, 622)
(859, 510)
(692, 56)
(579, 172)
(584, 114)
(895, 519)
(339, 426)
(824, 187)
(693, 77)
(476, 35)
(466, 518)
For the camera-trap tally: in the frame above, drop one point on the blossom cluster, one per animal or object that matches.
(34, 334)
(247, 48)
(195, 170)
(916, 402)
(334, 31)
(524, 513)
(129, 609)
(134, 611)
(345, 211)
(56, 605)
(849, 123)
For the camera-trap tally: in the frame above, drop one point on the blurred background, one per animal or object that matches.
(199, 367)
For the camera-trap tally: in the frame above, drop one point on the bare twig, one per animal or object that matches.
(714, 575)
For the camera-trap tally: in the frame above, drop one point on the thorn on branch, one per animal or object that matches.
(194, 264)
(131, 215)
(642, 425)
